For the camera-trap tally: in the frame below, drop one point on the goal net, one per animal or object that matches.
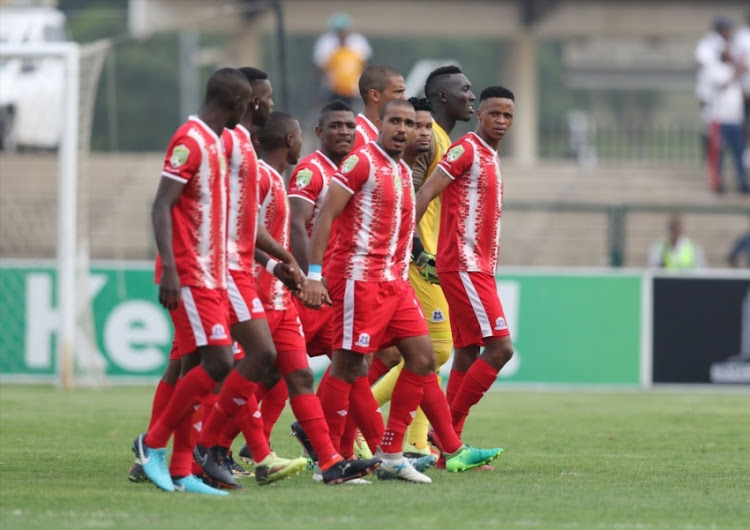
(46, 110)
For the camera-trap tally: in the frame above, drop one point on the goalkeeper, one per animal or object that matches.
(449, 92)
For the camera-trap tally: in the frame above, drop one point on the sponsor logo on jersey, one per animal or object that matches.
(180, 154)
(303, 178)
(500, 324)
(455, 153)
(349, 164)
(218, 332)
(437, 316)
(257, 305)
(222, 163)
(363, 340)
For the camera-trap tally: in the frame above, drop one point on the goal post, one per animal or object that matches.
(78, 89)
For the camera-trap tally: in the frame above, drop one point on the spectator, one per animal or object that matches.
(707, 53)
(727, 110)
(740, 252)
(741, 55)
(341, 55)
(676, 251)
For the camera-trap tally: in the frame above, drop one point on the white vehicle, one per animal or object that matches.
(30, 89)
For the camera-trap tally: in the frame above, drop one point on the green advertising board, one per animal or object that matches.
(572, 328)
(567, 328)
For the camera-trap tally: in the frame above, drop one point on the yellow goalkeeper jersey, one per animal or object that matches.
(429, 227)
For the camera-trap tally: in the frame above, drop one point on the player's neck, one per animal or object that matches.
(371, 113)
(395, 155)
(215, 118)
(494, 144)
(446, 122)
(336, 159)
(276, 159)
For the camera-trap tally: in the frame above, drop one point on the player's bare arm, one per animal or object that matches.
(161, 217)
(433, 186)
(422, 164)
(314, 293)
(270, 246)
(301, 213)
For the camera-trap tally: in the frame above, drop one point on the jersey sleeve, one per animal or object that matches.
(183, 159)
(354, 172)
(458, 159)
(306, 183)
(264, 185)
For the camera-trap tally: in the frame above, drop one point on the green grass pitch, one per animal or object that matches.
(573, 460)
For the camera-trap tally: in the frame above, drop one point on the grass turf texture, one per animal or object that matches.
(640, 460)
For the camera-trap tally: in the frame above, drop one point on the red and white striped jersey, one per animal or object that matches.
(243, 198)
(195, 157)
(375, 229)
(366, 132)
(274, 216)
(470, 219)
(309, 182)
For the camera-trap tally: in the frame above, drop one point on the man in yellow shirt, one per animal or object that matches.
(449, 92)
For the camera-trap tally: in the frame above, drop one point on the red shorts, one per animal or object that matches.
(289, 340)
(318, 328)
(474, 307)
(201, 319)
(368, 316)
(244, 303)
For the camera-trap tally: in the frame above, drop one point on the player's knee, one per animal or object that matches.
(300, 382)
(219, 363)
(443, 349)
(500, 353)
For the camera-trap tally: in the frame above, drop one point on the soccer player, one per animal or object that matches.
(189, 217)
(378, 85)
(374, 306)
(451, 98)
(470, 180)
(281, 141)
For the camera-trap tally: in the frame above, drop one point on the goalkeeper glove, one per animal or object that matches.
(425, 264)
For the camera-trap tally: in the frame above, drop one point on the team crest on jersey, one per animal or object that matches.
(218, 332)
(437, 316)
(303, 178)
(455, 153)
(363, 340)
(349, 164)
(180, 154)
(500, 324)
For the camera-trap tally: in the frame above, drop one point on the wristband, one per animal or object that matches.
(315, 272)
(271, 265)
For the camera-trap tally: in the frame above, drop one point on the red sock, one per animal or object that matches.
(323, 379)
(181, 463)
(230, 432)
(189, 391)
(272, 405)
(437, 411)
(309, 414)
(366, 413)
(205, 409)
(349, 434)
(479, 378)
(334, 399)
(406, 397)
(454, 383)
(162, 396)
(377, 370)
(250, 422)
(234, 394)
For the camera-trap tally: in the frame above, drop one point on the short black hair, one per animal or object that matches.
(376, 77)
(273, 134)
(430, 84)
(396, 102)
(496, 91)
(334, 106)
(253, 75)
(421, 104)
(223, 86)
